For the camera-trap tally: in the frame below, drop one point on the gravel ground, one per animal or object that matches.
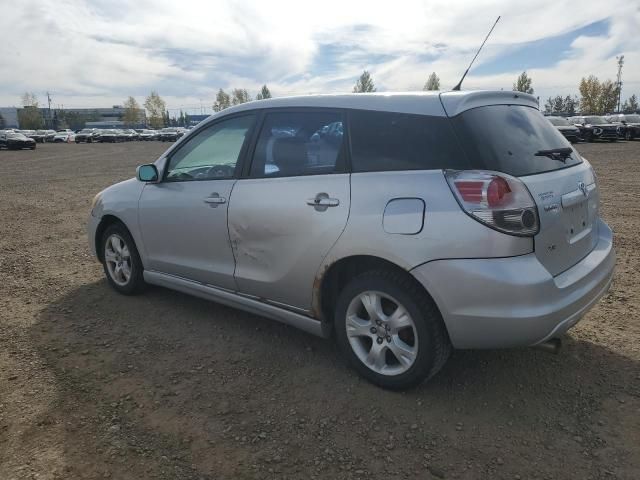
(162, 385)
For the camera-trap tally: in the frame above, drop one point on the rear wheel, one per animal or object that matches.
(390, 330)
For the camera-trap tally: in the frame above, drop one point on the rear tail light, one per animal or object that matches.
(500, 201)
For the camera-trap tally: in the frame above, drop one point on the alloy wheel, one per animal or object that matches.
(382, 333)
(117, 259)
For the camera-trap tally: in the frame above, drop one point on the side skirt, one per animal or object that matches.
(232, 299)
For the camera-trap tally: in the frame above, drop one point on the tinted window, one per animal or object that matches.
(506, 138)
(397, 141)
(299, 143)
(212, 153)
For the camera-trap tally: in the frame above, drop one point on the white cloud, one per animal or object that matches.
(96, 54)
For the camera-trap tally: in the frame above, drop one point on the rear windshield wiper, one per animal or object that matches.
(555, 153)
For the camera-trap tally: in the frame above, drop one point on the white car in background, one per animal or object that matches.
(65, 136)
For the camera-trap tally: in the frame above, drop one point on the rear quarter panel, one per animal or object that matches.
(447, 231)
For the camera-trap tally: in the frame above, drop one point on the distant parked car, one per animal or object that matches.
(40, 136)
(171, 134)
(631, 123)
(597, 128)
(64, 136)
(149, 135)
(130, 134)
(570, 132)
(27, 133)
(88, 135)
(16, 141)
(48, 135)
(111, 136)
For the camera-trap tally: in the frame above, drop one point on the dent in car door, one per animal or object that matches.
(183, 219)
(283, 223)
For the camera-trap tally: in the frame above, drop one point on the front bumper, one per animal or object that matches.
(515, 301)
(92, 228)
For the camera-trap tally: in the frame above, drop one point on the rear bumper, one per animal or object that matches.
(515, 302)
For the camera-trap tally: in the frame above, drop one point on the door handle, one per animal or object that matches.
(214, 200)
(322, 201)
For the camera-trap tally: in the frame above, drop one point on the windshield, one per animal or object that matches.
(559, 122)
(595, 120)
(506, 138)
(16, 135)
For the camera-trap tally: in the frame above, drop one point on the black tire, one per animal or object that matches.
(628, 136)
(588, 137)
(433, 340)
(136, 282)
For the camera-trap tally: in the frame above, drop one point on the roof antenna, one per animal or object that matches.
(457, 87)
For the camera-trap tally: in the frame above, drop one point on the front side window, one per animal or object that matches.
(387, 141)
(212, 153)
(299, 143)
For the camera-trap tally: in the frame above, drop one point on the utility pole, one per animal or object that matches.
(620, 60)
(50, 121)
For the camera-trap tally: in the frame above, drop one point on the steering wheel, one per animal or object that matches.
(221, 171)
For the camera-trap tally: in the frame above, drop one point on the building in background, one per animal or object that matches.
(9, 117)
(193, 120)
(112, 117)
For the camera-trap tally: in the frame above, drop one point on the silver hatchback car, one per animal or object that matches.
(404, 225)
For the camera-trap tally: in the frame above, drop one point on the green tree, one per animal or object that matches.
(223, 100)
(364, 84)
(239, 95)
(433, 82)
(571, 105)
(264, 93)
(131, 116)
(155, 106)
(181, 118)
(631, 104)
(523, 83)
(554, 104)
(187, 120)
(29, 117)
(590, 90)
(608, 97)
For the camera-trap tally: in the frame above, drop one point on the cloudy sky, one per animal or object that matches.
(96, 53)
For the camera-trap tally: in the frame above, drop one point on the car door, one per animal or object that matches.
(292, 205)
(183, 218)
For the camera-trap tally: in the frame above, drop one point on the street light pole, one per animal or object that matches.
(620, 60)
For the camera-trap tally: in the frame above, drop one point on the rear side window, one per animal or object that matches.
(383, 141)
(299, 143)
(506, 138)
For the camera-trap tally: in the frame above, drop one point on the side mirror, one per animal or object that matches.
(147, 173)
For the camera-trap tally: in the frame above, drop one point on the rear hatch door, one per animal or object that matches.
(517, 140)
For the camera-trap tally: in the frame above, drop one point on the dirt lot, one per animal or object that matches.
(97, 385)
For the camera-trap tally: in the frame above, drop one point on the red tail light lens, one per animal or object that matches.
(498, 200)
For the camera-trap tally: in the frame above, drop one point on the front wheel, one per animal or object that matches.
(121, 261)
(390, 330)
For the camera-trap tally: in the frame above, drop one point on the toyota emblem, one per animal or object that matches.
(583, 188)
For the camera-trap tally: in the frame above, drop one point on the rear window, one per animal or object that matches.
(506, 138)
(383, 141)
